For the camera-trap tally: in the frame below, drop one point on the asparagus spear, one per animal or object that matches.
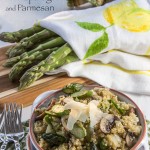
(18, 35)
(96, 2)
(29, 42)
(9, 50)
(76, 3)
(50, 44)
(47, 45)
(12, 61)
(28, 60)
(53, 61)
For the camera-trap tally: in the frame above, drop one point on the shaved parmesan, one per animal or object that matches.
(68, 99)
(75, 105)
(73, 117)
(84, 115)
(82, 112)
(95, 113)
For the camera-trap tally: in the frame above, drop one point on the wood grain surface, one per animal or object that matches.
(10, 93)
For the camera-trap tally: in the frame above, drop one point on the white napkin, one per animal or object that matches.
(123, 24)
(107, 30)
(116, 37)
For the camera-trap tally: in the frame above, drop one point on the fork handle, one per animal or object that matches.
(4, 145)
(17, 145)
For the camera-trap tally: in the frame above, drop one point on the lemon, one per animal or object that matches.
(137, 20)
(129, 16)
(113, 12)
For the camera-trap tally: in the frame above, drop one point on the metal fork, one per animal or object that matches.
(4, 128)
(1, 125)
(16, 132)
(12, 126)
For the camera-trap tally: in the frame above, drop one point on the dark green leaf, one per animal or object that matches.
(94, 27)
(98, 45)
(101, 144)
(54, 139)
(72, 87)
(82, 93)
(78, 131)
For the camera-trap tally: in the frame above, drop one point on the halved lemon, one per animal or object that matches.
(129, 16)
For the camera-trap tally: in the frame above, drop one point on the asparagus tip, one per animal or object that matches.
(20, 88)
(6, 37)
(5, 65)
(2, 36)
(7, 54)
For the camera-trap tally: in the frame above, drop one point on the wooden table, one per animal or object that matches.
(10, 93)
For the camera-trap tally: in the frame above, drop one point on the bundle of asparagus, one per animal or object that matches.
(38, 51)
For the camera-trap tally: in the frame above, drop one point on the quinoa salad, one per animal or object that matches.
(82, 119)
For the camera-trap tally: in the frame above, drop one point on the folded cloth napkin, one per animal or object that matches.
(123, 25)
(116, 39)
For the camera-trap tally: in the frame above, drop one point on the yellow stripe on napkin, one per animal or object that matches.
(147, 73)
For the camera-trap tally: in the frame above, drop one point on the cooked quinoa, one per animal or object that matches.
(117, 129)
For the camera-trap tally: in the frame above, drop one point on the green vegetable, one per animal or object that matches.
(101, 144)
(9, 50)
(29, 42)
(96, 2)
(58, 110)
(52, 120)
(28, 60)
(53, 61)
(78, 131)
(43, 46)
(12, 61)
(56, 42)
(48, 119)
(54, 139)
(18, 35)
(72, 88)
(50, 113)
(121, 111)
(76, 3)
(89, 132)
(82, 94)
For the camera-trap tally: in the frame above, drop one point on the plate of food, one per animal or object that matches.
(86, 117)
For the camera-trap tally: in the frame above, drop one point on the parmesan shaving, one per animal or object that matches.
(73, 117)
(95, 113)
(82, 112)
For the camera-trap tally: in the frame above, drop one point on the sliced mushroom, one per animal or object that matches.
(130, 139)
(107, 123)
(41, 116)
(132, 110)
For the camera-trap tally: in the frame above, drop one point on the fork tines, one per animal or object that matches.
(12, 118)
